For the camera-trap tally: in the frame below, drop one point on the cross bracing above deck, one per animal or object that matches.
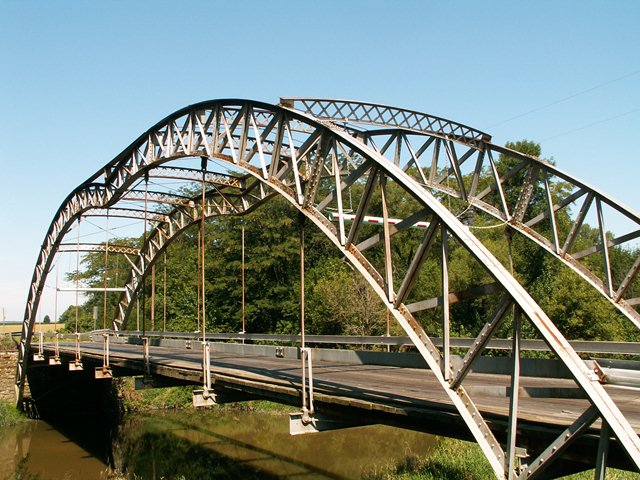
(312, 163)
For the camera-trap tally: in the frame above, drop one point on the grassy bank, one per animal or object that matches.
(457, 460)
(9, 415)
(132, 400)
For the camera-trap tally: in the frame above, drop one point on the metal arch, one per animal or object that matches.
(393, 122)
(295, 177)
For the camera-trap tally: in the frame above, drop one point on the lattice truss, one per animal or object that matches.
(408, 166)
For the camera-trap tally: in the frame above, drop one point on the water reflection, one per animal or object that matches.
(218, 443)
(51, 454)
(241, 444)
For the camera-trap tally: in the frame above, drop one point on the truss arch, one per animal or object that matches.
(290, 152)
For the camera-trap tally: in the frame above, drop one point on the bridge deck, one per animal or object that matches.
(359, 394)
(373, 387)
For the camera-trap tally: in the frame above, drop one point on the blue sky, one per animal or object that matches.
(81, 80)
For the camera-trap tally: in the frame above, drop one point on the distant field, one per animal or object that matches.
(40, 327)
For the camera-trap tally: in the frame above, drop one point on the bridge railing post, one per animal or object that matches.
(56, 356)
(39, 357)
(76, 364)
(307, 353)
(106, 350)
(105, 370)
(206, 366)
(145, 356)
(205, 396)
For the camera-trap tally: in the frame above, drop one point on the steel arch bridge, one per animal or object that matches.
(310, 152)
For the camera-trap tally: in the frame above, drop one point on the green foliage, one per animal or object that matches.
(132, 400)
(612, 474)
(341, 302)
(458, 460)
(579, 313)
(9, 415)
(449, 460)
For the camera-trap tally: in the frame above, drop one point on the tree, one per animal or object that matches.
(341, 302)
(46, 319)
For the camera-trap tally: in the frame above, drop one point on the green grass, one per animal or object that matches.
(9, 415)
(133, 400)
(612, 474)
(261, 406)
(457, 460)
(449, 460)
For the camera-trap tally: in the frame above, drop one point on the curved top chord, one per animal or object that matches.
(385, 116)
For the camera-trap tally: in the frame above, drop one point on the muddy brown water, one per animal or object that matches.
(224, 443)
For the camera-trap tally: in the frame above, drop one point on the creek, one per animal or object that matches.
(215, 443)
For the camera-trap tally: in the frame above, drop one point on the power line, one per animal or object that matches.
(582, 92)
(593, 123)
